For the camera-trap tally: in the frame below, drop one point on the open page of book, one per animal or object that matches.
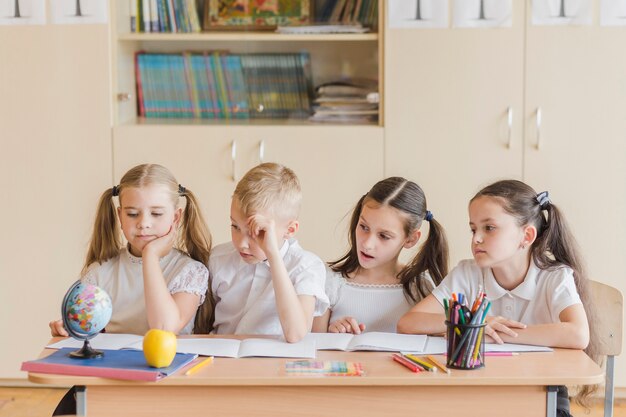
(437, 345)
(110, 341)
(277, 348)
(228, 348)
(391, 342)
(379, 341)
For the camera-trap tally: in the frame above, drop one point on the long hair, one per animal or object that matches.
(194, 238)
(554, 247)
(407, 197)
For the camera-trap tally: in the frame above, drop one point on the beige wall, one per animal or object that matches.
(55, 158)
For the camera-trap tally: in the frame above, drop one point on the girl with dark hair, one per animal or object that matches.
(527, 263)
(369, 289)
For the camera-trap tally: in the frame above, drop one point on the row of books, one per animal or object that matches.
(347, 101)
(164, 16)
(219, 85)
(348, 12)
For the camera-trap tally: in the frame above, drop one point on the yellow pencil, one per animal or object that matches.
(437, 363)
(199, 366)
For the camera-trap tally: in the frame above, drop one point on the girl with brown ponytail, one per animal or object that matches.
(528, 264)
(369, 289)
(159, 278)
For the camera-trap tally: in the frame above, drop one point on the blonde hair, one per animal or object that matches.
(194, 238)
(272, 187)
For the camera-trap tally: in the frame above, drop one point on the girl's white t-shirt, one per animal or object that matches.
(378, 306)
(122, 278)
(540, 298)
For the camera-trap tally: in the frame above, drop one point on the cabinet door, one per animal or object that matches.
(55, 160)
(336, 166)
(200, 157)
(578, 79)
(448, 92)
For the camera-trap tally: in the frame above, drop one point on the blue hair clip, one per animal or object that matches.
(429, 216)
(543, 198)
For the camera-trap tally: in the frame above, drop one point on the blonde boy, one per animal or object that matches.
(263, 282)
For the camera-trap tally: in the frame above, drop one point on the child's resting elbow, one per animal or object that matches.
(294, 336)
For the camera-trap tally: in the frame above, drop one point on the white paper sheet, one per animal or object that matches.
(110, 341)
(482, 13)
(376, 341)
(613, 13)
(68, 12)
(418, 14)
(561, 12)
(22, 12)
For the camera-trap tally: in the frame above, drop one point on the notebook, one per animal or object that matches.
(377, 341)
(232, 348)
(116, 364)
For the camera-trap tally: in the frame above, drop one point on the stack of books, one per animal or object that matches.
(346, 101)
(220, 85)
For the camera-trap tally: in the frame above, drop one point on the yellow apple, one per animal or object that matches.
(159, 348)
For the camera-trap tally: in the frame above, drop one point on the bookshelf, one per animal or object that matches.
(210, 155)
(331, 56)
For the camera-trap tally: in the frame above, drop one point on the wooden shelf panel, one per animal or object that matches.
(248, 36)
(141, 121)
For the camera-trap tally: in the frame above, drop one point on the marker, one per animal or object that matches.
(199, 366)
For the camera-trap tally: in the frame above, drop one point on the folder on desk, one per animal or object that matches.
(116, 364)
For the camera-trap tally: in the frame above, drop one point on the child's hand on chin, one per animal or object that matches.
(162, 245)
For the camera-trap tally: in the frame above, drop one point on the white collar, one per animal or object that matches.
(525, 290)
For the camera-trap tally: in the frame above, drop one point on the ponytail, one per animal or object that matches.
(195, 236)
(105, 240)
(205, 316)
(432, 258)
(349, 262)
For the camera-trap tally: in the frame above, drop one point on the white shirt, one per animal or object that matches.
(244, 294)
(540, 298)
(122, 278)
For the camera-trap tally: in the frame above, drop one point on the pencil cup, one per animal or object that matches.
(465, 345)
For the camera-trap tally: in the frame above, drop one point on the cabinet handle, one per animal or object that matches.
(261, 151)
(233, 156)
(509, 119)
(538, 121)
(124, 97)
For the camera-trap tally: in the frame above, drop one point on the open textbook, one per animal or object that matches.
(391, 342)
(230, 348)
(437, 345)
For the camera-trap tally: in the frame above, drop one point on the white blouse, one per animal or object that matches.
(540, 298)
(122, 278)
(378, 306)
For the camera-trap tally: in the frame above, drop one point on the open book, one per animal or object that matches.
(437, 345)
(230, 348)
(379, 341)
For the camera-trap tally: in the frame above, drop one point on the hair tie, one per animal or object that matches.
(429, 216)
(543, 198)
(181, 190)
(115, 191)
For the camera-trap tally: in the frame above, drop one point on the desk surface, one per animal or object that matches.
(561, 367)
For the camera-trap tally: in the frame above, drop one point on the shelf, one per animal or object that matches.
(248, 36)
(246, 122)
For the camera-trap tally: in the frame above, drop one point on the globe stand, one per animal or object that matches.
(86, 352)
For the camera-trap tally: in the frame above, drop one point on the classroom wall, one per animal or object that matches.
(55, 158)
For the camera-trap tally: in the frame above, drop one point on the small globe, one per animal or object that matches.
(86, 310)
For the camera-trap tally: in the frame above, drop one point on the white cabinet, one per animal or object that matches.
(335, 165)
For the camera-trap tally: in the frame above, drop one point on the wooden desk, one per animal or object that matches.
(511, 386)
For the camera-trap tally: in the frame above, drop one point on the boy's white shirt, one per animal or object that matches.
(244, 294)
(539, 299)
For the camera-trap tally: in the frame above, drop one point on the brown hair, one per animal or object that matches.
(554, 247)
(407, 197)
(194, 237)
